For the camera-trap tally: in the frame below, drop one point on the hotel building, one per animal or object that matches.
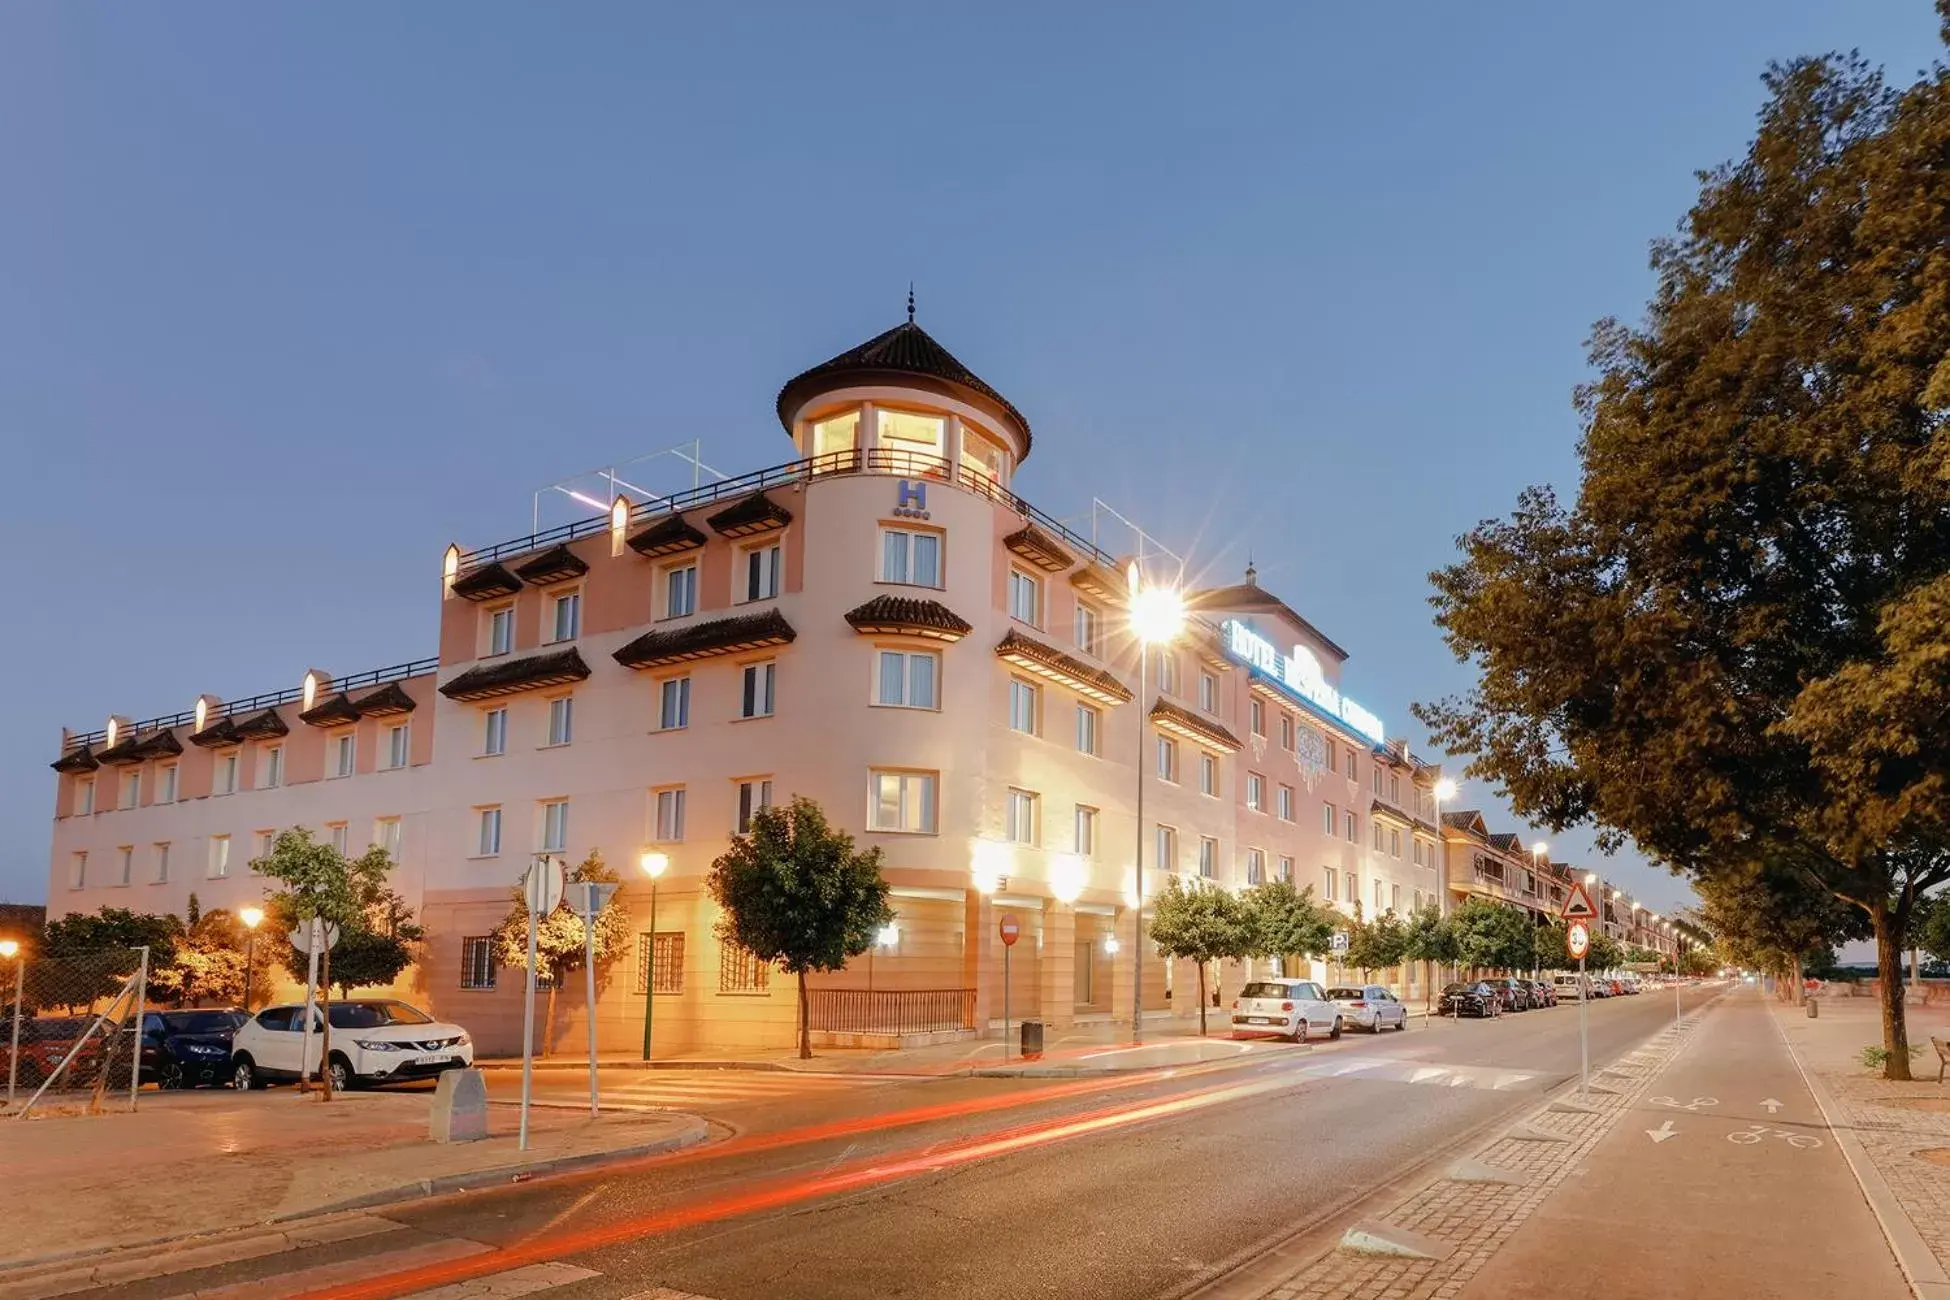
(879, 623)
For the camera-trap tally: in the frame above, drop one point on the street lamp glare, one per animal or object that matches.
(1445, 790)
(1540, 848)
(653, 864)
(1590, 877)
(1157, 614)
(252, 917)
(9, 948)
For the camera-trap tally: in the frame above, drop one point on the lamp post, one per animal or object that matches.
(1157, 614)
(1444, 791)
(252, 917)
(652, 865)
(1537, 852)
(10, 949)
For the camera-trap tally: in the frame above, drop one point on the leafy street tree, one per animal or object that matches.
(1931, 930)
(209, 961)
(795, 892)
(87, 956)
(1730, 646)
(1770, 916)
(1377, 944)
(1285, 922)
(560, 949)
(1429, 938)
(1491, 935)
(1201, 923)
(1605, 953)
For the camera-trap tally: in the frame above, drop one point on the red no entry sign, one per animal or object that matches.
(1010, 929)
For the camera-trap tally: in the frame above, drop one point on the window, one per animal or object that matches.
(1167, 672)
(1090, 629)
(561, 720)
(1394, 788)
(162, 862)
(907, 678)
(166, 783)
(344, 750)
(131, 790)
(680, 590)
(565, 616)
(264, 843)
(1258, 713)
(1167, 759)
(674, 707)
(1394, 898)
(757, 573)
(1351, 885)
(670, 815)
(398, 745)
(1394, 843)
(839, 433)
(1420, 854)
(1086, 831)
(224, 779)
(500, 630)
(1167, 848)
(1022, 706)
(494, 738)
(1286, 732)
(555, 825)
(1255, 792)
(739, 971)
(1327, 888)
(1286, 803)
(1208, 774)
(273, 767)
(1255, 867)
(1286, 869)
(1087, 719)
(125, 864)
(1025, 598)
(77, 870)
(1377, 897)
(902, 801)
(1375, 836)
(660, 962)
(980, 454)
(487, 841)
(335, 832)
(1208, 692)
(752, 795)
(84, 797)
(1377, 779)
(219, 856)
(911, 557)
(1351, 773)
(1208, 855)
(477, 964)
(1330, 816)
(915, 434)
(755, 698)
(386, 835)
(1023, 815)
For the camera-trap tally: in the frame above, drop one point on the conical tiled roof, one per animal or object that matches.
(904, 352)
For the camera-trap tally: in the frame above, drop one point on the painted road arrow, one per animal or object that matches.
(1771, 1105)
(1661, 1133)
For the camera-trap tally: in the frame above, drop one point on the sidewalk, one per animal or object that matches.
(190, 1163)
(1896, 1135)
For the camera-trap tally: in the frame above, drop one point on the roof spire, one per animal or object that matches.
(1252, 574)
(910, 302)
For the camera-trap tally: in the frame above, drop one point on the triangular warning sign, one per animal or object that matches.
(1578, 906)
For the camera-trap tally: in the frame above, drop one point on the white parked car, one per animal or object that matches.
(1285, 1008)
(374, 1040)
(1370, 1006)
(1568, 988)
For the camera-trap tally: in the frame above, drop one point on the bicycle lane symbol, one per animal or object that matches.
(1695, 1105)
(1759, 1133)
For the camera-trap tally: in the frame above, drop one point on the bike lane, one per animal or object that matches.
(1722, 1180)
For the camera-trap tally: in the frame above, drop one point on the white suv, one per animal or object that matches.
(373, 1041)
(1285, 1008)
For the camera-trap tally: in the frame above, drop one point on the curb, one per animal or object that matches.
(1920, 1266)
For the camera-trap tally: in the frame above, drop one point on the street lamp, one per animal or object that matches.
(252, 917)
(1157, 615)
(652, 865)
(10, 949)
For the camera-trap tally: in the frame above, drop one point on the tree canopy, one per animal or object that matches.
(560, 947)
(1286, 922)
(1201, 923)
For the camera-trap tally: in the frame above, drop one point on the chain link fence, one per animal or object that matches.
(70, 1028)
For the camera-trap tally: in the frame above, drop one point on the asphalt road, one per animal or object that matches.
(1142, 1186)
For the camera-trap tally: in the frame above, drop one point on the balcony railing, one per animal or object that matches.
(271, 699)
(890, 1011)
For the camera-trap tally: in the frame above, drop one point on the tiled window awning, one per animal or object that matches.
(1097, 579)
(1181, 721)
(160, 744)
(756, 513)
(1048, 662)
(510, 677)
(671, 535)
(486, 583)
(122, 751)
(215, 736)
(1039, 548)
(76, 760)
(908, 616)
(720, 636)
(265, 726)
(338, 711)
(556, 564)
(388, 700)
(1388, 812)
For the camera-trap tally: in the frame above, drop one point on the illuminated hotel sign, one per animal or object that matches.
(1300, 676)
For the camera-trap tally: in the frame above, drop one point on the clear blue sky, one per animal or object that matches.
(292, 296)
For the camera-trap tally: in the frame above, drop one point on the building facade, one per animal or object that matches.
(879, 624)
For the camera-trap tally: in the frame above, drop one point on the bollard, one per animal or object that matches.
(1814, 1009)
(1032, 1039)
(459, 1107)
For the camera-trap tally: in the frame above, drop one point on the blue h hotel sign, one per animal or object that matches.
(911, 502)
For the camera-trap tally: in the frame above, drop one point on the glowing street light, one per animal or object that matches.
(252, 917)
(10, 949)
(1157, 616)
(652, 864)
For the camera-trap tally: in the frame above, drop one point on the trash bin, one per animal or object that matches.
(1032, 1039)
(1814, 1009)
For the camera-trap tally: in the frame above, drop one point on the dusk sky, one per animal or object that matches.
(290, 297)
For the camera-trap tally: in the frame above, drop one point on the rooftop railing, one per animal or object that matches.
(271, 699)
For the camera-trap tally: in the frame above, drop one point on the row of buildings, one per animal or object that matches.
(879, 623)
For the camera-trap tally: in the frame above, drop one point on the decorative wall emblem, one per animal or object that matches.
(1310, 753)
(911, 502)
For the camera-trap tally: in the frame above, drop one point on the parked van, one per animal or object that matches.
(1568, 988)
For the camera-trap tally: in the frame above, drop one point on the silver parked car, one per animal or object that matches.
(1370, 1006)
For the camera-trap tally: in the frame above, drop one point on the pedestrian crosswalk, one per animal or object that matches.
(1385, 1069)
(708, 1090)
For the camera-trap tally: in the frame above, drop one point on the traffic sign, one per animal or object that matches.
(542, 886)
(592, 896)
(321, 935)
(1011, 929)
(1339, 942)
(1577, 939)
(1578, 906)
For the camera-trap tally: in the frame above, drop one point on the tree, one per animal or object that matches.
(1377, 944)
(1201, 923)
(208, 965)
(1731, 646)
(795, 892)
(1773, 917)
(1605, 952)
(1491, 935)
(86, 957)
(1931, 930)
(560, 944)
(1285, 922)
(1430, 938)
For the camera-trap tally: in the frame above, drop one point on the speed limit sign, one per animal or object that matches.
(1577, 938)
